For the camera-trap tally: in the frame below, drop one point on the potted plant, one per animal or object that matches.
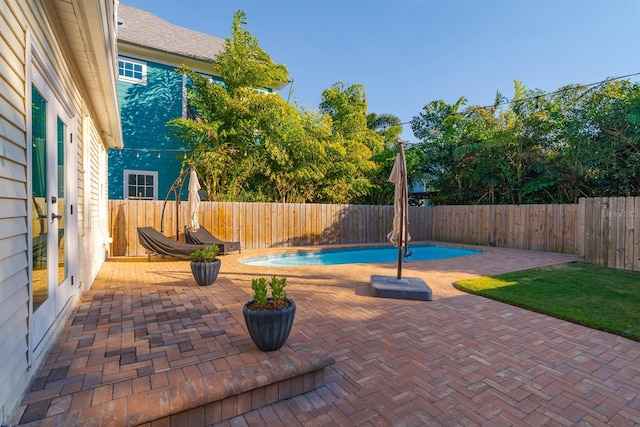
(269, 319)
(205, 265)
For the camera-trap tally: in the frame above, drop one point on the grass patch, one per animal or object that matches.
(597, 297)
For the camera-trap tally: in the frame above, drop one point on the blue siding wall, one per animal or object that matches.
(145, 110)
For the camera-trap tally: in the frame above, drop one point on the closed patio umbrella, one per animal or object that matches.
(399, 236)
(193, 201)
(413, 288)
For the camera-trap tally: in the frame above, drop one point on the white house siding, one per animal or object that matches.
(30, 26)
(93, 206)
(14, 280)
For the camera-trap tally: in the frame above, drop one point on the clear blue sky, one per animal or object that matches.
(408, 53)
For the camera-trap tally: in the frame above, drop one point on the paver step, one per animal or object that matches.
(248, 388)
(210, 398)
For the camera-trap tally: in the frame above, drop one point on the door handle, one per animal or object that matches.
(54, 217)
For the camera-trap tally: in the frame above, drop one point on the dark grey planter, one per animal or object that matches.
(269, 329)
(205, 273)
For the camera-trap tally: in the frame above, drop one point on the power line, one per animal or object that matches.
(535, 97)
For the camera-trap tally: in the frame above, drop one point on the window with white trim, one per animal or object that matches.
(131, 70)
(142, 185)
(260, 90)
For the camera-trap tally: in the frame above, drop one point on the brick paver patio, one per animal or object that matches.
(145, 329)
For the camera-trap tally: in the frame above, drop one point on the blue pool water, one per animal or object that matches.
(358, 255)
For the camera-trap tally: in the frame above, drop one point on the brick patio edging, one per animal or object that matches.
(218, 397)
(211, 398)
(239, 404)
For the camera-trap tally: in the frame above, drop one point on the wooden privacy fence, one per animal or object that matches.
(550, 228)
(262, 225)
(610, 227)
(601, 231)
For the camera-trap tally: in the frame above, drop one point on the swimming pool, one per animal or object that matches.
(356, 255)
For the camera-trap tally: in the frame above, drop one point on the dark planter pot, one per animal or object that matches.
(205, 273)
(269, 329)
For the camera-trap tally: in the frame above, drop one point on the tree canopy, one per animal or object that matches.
(579, 141)
(247, 145)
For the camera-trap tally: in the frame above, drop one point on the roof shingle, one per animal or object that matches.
(142, 28)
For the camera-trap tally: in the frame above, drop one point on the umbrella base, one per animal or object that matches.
(412, 288)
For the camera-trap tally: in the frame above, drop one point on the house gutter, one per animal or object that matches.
(97, 22)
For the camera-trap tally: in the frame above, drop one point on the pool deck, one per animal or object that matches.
(145, 340)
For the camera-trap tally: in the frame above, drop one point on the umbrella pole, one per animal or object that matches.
(400, 238)
(405, 222)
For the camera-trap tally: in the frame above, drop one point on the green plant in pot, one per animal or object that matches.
(205, 265)
(269, 319)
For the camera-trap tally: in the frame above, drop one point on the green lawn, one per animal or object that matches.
(601, 298)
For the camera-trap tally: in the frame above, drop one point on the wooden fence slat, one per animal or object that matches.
(551, 226)
(620, 245)
(611, 228)
(480, 226)
(562, 230)
(502, 226)
(310, 219)
(588, 237)
(629, 231)
(592, 242)
(276, 225)
(536, 221)
(599, 219)
(596, 238)
(581, 228)
(636, 235)
(520, 226)
(586, 229)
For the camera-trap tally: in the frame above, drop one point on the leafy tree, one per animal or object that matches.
(611, 150)
(294, 158)
(441, 129)
(541, 148)
(388, 127)
(218, 139)
(257, 147)
(350, 147)
(243, 64)
(230, 134)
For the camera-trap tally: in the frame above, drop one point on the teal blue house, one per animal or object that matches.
(150, 93)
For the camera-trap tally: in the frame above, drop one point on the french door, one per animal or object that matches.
(53, 224)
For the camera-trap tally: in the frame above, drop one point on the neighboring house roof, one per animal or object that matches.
(142, 28)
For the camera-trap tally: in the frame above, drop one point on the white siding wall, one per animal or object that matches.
(14, 281)
(26, 22)
(93, 227)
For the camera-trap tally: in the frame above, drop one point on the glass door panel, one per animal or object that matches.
(62, 261)
(40, 224)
